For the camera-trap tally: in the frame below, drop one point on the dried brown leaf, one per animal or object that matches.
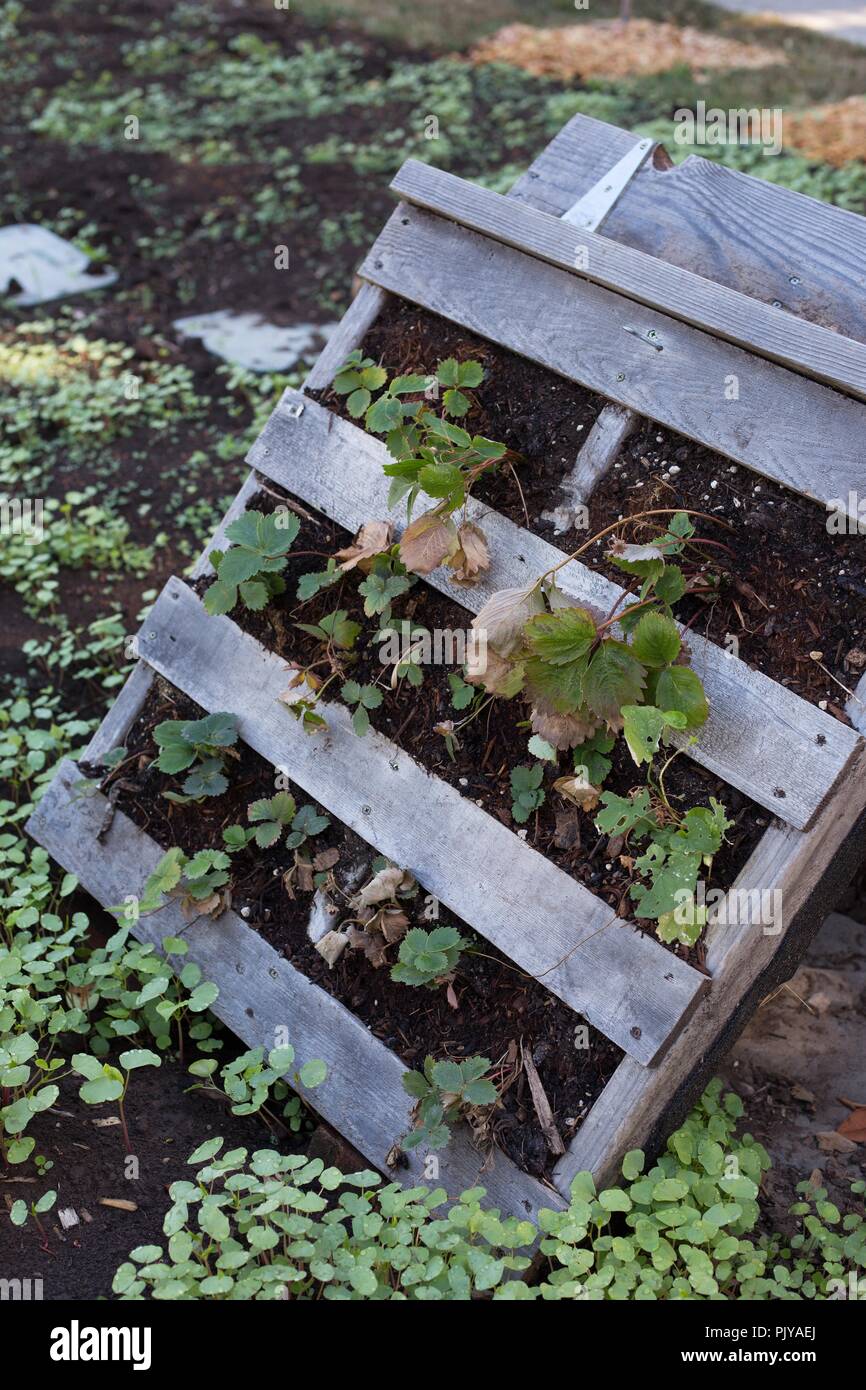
(331, 946)
(504, 616)
(371, 540)
(373, 944)
(326, 859)
(579, 791)
(428, 542)
(562, 730)
(472, 557)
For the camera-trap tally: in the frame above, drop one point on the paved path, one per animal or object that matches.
(838, 19)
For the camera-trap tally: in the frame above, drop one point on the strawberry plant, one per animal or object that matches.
(526, 791)
(250, 570)
(428, 958)
(583, 682)
(205, 742)
(363, 698)
(668, 868)
(432, 455)
(271, 817)
(445, 1092)
(195, 880)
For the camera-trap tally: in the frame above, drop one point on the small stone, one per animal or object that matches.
(675, 468)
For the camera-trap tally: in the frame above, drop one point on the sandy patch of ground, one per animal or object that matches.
(607, 48)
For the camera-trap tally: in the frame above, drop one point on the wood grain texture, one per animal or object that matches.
(261, 993)
(794, 430)
(747, 956)
(737, 230)
(737, 318)
(761, 738)
(622, 981)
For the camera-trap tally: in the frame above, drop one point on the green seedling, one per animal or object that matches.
(250, 571)
(363, 698)
(205, 742)
(444, 1092)
(428, 958)
(526, 791)
(104, 1082)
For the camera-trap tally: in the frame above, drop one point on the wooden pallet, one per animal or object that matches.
(461, 252)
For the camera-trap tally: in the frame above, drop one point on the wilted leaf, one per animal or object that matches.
(578, 790)
(498, 676)
(472, 557)
(331, 946)
(428, 542)
(504, 616)
(373, 944)
(381, 888)
(562, 730)
(371, 540)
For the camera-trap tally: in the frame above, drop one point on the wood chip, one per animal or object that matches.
(608, 48)
(542, 1106)
(118, 1203)
(854, 1126)
(829, 1142)
(67, 1217)
(104, 1123)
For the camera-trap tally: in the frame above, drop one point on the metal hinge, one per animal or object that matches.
(589, 212)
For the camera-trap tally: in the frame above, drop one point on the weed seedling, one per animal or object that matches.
(104, 1082)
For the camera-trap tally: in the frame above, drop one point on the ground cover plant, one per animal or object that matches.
(684, 1228)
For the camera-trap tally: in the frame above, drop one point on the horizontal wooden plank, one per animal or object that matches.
(735, 229)
(262, 996)
(794, 430)
(789, 871)
(761, 738)
(805, 347)
(622, 981)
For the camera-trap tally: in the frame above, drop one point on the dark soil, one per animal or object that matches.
(166, 1123)
(543, 418)
(788, 588)
(499, 1009)
(490, 746)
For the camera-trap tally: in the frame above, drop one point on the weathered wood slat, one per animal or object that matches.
(743, 959)
(737, 230)
(621, 980)
(361, 313)
(261, 994)
(761, 738)
(805, 347)
(781, 424)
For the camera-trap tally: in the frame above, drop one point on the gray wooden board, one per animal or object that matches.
(746, 961)
(261, 993)
(621, 980)
(362, 312)
(792, 429)
(760, 737)
(740, 231)
(805, 347)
